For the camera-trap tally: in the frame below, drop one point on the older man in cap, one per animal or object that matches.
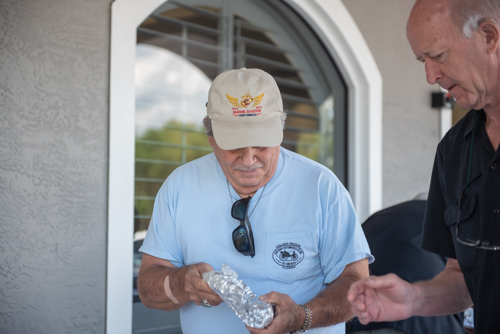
(459, 43)
(293, 238)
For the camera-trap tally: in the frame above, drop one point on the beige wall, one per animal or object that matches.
(54, 78)
(410, 126)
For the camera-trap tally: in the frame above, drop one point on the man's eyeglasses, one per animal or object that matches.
(474, 242)
(467, 240)
(242, 235)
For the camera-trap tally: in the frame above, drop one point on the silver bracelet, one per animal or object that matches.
(307, 321)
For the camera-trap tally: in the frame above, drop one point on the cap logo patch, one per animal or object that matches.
(241, 109)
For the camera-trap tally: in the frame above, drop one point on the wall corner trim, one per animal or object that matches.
(338, 31)
(126, 16)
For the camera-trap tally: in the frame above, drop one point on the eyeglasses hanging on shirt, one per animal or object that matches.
(466, 206)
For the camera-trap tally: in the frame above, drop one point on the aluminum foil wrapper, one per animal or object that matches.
(238, 296)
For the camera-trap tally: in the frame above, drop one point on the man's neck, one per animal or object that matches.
(244, 192)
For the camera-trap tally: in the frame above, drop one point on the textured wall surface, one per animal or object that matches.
(54, 69)
(410, 126)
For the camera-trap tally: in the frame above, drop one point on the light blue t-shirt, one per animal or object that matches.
(305, 231)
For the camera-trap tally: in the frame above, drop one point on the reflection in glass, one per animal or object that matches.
(318, 145)
(170, 105)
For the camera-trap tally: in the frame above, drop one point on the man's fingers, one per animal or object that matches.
(202, 286)
(253, 330)
(359, 306)
(205, 292)
(211, 302)
(372, 282)
(214, 303)
(198, 296)
(197, 288)
(382, 282)
(287, 316)
(358, 289)
(364, 318)
(355, 290)
(274, 297)
(383, 298)
(212, 297)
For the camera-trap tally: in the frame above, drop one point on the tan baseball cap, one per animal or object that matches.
(245, 107)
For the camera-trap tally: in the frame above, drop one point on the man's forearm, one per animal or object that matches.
(445, 294)
(152, 290)
(331, 306)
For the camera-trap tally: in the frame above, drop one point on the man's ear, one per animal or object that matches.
(211, 141)
(491, 33)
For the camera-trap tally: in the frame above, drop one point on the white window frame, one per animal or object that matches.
(339, 33)
(336, 28)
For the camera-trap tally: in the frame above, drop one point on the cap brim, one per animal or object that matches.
(231, 135)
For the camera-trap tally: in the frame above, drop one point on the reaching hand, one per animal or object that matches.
(289, 316)
(383, 298)
(197, 289)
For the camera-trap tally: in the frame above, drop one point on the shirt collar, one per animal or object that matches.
(474, 114)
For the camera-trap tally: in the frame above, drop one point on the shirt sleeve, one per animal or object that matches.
(161, 240)
(436, 235)
(342, 240)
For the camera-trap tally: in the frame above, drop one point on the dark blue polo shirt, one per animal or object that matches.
(465, 191)
(394, 236)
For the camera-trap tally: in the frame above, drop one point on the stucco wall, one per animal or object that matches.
(410, 126)
(54, 77)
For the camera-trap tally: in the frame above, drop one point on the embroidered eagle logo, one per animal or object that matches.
(247, 100)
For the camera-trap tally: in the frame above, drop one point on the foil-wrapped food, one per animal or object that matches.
(238, 296)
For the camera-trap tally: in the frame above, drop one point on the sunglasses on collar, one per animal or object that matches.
(242, 235)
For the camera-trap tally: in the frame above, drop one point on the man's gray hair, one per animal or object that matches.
(469, 14)
(207, 123)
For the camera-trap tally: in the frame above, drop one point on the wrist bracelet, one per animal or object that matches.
(307, 321)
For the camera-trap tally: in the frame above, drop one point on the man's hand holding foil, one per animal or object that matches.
(329, 307)
(164, 286)
(288, 317)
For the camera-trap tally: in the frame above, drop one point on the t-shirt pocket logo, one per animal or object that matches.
(291, 256)
(288, 255)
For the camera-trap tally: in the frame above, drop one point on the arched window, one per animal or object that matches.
(183, 45)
